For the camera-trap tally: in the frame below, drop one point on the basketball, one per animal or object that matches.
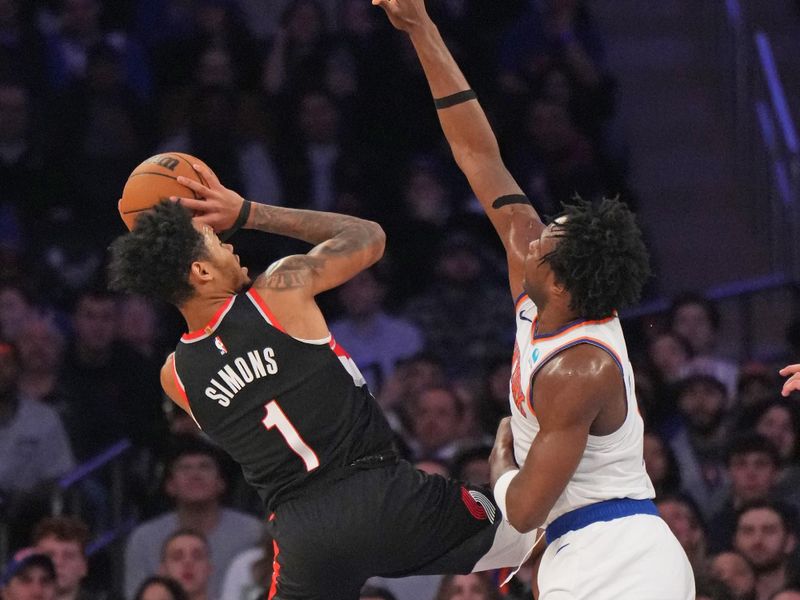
(155, 180)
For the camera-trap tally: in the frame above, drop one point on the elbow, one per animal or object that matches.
(378, 240)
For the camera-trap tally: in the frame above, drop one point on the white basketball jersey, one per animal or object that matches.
(612, 466)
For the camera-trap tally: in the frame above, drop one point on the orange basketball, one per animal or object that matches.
(155, 180)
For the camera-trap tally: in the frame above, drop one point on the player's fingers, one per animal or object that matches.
(192, 204)
(789, 370)
(791, 385)
(208, 174)
(195, 186)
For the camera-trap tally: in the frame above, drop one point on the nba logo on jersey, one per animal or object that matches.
(220, 346)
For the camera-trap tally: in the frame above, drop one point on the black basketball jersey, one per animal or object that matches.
(286, 410)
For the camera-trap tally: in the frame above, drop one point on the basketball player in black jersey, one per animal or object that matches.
(262, 377)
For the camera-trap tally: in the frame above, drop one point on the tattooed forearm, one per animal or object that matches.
(345, 232)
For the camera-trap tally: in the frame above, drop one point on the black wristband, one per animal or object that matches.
(453, 99)
(244, 213)
(510, 199)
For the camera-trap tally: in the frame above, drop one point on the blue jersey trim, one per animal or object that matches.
(608, 510)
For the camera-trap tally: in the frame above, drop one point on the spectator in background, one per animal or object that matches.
(410, 377)
(250, 573)
(792, 384)
(712, 589)
(733, 570)
(78, 30)
(41, 354)
(296, 56)
(753, 469)
(34, 451)
(492, 400)
(662, 468)
(756, 386)
(792, 593)
(464, 308)
(697, 320)
(158, 587)
(766, 537)
(476, 586)
(375, 340)
(472, 465)
(64, 540)
(21, 44)
(436, 424)
(683, 516)
(699, 445)
(139, 326)
(16, 308)
(195, 482)
(185, 557)
(213, 134)
(779, 422)
(28, 576)
(668, 355)
(109, 382)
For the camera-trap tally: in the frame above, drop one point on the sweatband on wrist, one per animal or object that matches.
(501, 489)
(453, 99)
(244, 214)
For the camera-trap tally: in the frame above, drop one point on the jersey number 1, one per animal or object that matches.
(277, 418)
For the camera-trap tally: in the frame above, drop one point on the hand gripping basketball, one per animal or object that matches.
(216, 206)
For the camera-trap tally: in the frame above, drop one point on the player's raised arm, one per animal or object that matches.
(470, 136)
(343, 245)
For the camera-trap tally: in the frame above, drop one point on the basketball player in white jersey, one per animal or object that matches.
(569, 459)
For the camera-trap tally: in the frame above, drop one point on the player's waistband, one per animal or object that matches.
(608, 510)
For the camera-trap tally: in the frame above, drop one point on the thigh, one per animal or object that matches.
(626, 559)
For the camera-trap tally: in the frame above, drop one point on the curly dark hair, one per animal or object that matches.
(154, 259)
(600, 257)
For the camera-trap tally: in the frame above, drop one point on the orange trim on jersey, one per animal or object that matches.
(522, 297)
(267, 313)
(211, 325)
(276, 569)
(576, 342)
(567, 329)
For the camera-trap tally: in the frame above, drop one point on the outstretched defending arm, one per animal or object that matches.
(470, 136)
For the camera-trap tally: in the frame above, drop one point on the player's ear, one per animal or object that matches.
(200, 272)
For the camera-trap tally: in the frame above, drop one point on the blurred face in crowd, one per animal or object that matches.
(156, 591)
(777, 426)
(436, 418)
(426, 197)
(468, 587)
(13, 113)
(762, 539)
(476, 472)
(357, 18)
(669, 356)
(683, 523)
(319, 118)
(195, 479)
(305, 23)
(753, 474)
(693, 323)
(215, 68)
(9, 369)
(32, 583)
(362, 295)
(80, 17)
(14, 310)
(702, 404)
(69, 561)
(655, 458)
(137, 321)
(95, 323)
(734, 571)
(41, 346)
(186, 559)
(787, 595)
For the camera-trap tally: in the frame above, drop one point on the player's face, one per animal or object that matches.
(232, 274)
(187, 561)
(69, 561)
(33, 583)
(762, 540)
(538, 277)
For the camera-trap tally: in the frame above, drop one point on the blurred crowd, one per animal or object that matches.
(320, 104)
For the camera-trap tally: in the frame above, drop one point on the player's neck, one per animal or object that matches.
(553, 317)
(203, 517)
(200, 310)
